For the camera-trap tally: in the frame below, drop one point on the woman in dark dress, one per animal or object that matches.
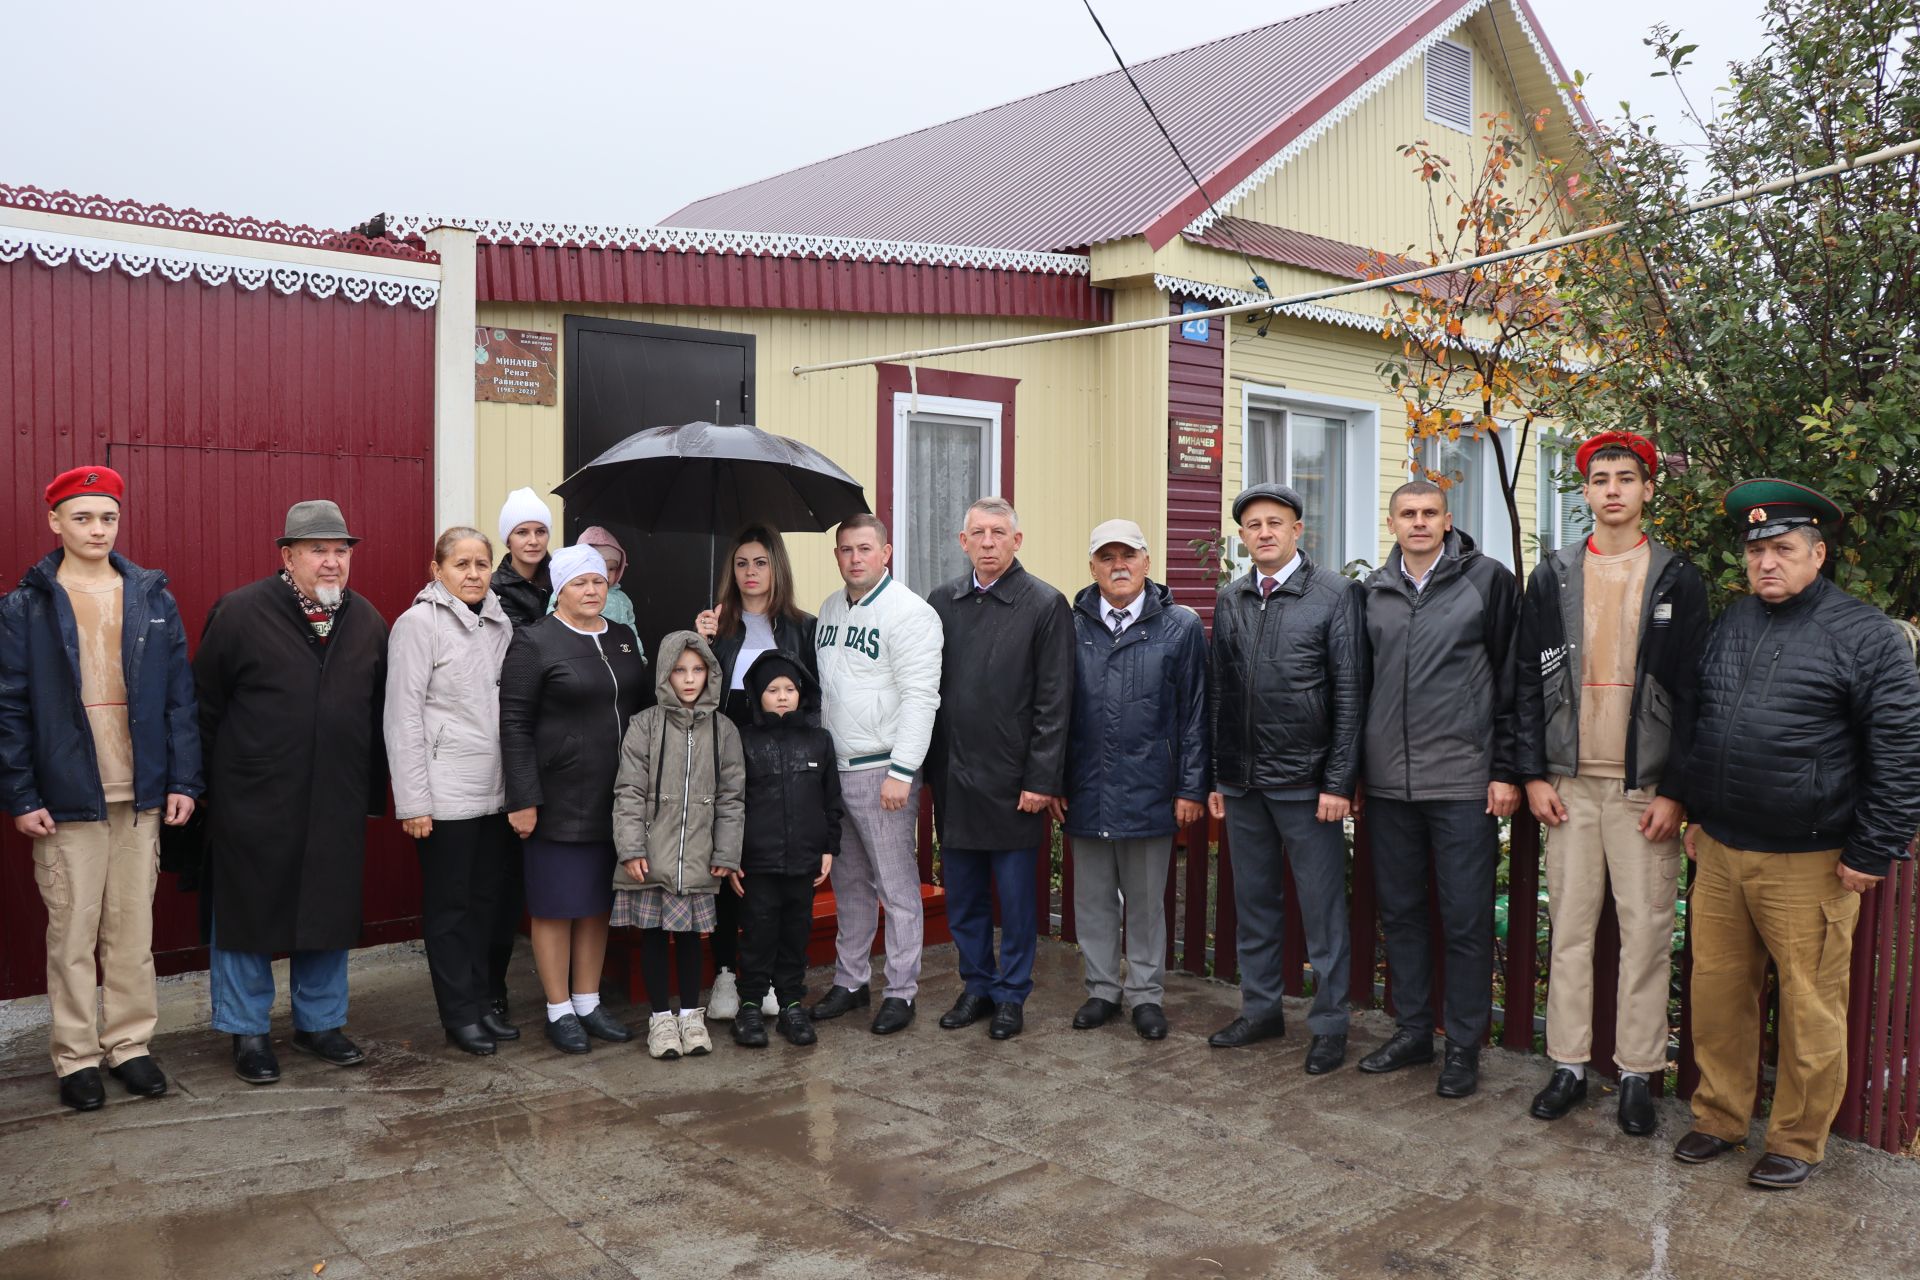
(569, 684)
(756, 614)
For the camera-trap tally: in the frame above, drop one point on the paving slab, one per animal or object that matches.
(925, 1154)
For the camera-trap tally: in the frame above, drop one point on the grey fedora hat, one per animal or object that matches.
(316, 520)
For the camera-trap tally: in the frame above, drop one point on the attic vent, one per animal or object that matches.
(1450, 85)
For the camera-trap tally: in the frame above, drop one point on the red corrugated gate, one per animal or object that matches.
(222, 405)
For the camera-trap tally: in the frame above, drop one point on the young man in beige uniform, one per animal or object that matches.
(1610, 635)
(98, 743)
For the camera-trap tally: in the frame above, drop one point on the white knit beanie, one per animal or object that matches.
(521, 506)
(569, 563)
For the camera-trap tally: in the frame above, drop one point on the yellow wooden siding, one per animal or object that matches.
(1353, 185)
(1068, 472)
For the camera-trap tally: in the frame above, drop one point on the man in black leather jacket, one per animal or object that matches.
(1286, 695)
(1803, 787)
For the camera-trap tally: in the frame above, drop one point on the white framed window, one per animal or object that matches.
(1565, 518)
(1449, 85)
(1474, 497)
(1328, 449)
(946, 454)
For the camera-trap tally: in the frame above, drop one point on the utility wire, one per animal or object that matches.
(1198, 185)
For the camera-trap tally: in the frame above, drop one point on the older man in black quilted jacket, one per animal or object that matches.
(1287, 698)
(1803, 787)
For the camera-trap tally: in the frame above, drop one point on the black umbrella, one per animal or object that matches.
(704, 478)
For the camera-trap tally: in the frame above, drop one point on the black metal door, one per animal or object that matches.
(623, 377)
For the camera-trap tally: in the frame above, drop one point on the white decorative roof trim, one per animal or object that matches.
(1229, 297)
(1353, 101)
(54, 249)
(750, 243)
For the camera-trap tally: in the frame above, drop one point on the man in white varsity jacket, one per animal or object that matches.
(878, 646)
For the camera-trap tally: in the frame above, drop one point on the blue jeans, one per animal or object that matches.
(243, 990)
(971, 878)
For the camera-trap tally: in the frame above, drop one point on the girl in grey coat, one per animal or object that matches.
(441, 723)
(679, 808)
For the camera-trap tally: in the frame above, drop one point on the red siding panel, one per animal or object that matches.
(565, 273)
(222, 406)
(1196, 392)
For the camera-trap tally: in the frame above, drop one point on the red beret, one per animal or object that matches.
(1639, 446)
(85, 480)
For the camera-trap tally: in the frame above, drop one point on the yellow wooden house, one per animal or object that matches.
(1059, 211)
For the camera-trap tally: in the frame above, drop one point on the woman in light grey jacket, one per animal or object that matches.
(442, 729)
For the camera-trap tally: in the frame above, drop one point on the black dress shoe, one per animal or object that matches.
(1326, 1053)
(1780, 1173)
(495, 1023)
(82, 1089)
(567, 1035)
(1150, 1022)
(472, 1038)
(795, 1025)
(1094, 1013)
(839, 1000)
(749, 1027)
(331, 1047)
(1460, 1076)
(253, 1059)
(141, 1077)
(1696, 1147)
(966, 1011)
(602, 1025)
(1562, 1091)
(1637, 1118)
(1405, 1049)
(1008, 1021)
(896, 1014)
(1240, 1032)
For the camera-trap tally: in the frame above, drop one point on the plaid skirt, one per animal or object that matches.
(655, 908)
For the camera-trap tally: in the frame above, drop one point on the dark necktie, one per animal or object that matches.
(1117, 620)
(1268, 586)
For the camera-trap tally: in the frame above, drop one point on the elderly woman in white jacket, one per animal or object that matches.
(442, 731)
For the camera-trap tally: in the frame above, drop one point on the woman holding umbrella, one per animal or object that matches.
(568, 686)
(756, 614)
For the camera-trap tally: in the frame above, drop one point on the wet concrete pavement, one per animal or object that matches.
(930, 1153)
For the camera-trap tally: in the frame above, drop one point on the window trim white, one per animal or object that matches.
(1426, 95)
(905, 405)
(1550, 501)
(1360, 539)
(1493, 506)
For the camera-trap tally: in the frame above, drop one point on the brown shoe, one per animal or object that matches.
(1780, 1173)
(1696, 1147)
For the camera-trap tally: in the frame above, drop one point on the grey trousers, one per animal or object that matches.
(1260, 832)
(1105, 872)
(877, 869)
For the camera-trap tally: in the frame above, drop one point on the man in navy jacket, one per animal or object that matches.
(98, 744)
(1136, 769)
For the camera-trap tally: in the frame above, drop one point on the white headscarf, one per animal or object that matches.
(570, 562)
(521, 506)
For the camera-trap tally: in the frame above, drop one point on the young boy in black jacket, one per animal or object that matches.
(793, 829)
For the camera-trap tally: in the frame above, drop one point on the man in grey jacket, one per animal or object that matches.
(1441, 772)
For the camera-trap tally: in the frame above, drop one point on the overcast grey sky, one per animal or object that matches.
(602, 112)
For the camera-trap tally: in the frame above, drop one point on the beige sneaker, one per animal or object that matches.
(694, 1039)
(663, 1037)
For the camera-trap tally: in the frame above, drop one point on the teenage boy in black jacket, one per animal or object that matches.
(792, 831)
(1610, 638)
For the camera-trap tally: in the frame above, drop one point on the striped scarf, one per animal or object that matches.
(319, 616)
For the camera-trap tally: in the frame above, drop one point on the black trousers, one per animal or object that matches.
(506, 921)
(1458, 842)
(778, 913)
(465, 869)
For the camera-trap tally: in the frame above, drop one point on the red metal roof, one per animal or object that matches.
(1084, 163)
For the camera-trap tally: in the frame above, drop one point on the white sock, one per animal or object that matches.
(694, 1013)
(585, 1003)
(1632, 1075)
(664, 1013)
(1579, 1069)
(555, 1012)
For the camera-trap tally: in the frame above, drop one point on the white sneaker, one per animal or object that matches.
(770, 1005)
(663, 1037)
(724, 1000)
(694, 1040)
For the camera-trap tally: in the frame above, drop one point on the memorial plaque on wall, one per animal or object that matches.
(514, 366)
(1193, 448)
